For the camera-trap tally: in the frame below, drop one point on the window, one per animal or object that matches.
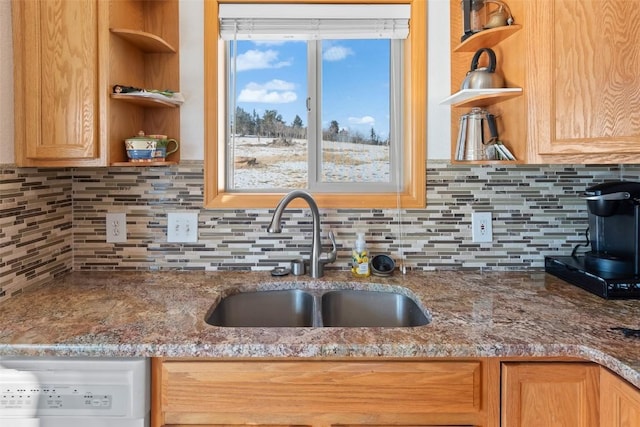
(314, 130)
(328, 130)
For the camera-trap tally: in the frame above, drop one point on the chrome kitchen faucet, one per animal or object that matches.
(316, 264)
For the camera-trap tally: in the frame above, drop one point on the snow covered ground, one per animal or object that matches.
(268, 163)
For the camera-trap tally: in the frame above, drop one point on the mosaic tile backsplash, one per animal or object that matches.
(53, 221)
(36, 219)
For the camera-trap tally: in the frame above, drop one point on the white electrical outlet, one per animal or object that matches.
(481, 228)
(116, 227)
(182, 227)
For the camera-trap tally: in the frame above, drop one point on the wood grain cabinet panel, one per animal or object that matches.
(550, 394)
(582, 80)
(619, 402)
(320, 393)
(57, 78)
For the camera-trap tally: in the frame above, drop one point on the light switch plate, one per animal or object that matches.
(116, 227)
(182, 227)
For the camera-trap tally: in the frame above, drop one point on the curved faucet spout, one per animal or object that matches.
(316, 263)
(275, 227)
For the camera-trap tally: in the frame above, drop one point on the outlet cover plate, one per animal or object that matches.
(182, 227)
(481, 227)
(116, 227)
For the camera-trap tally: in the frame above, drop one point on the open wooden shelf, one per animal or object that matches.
(507, 104)
(487, 162)
(144, 45)
(486, 38)
(146, 42)
(144, 101)
(143, 164)
(480, 97)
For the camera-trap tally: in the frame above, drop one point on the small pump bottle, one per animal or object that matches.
(360, 257)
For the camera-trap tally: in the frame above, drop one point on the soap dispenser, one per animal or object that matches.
(360, 257)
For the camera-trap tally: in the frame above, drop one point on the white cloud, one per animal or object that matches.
(364, 120)
(272, 92)
(259, 59)
(336, 53)
(275, 84)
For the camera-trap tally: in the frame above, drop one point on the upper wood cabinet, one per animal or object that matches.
(57, 58)
(577, 63)
(550, 394)
(582, 80)
(68, 54)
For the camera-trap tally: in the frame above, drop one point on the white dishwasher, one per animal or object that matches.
(74, 392)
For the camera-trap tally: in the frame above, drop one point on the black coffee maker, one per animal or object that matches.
(611, 267)
(614, 228)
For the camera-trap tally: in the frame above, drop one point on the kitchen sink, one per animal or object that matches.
(349, 308)
(317, 308)
(288, 308)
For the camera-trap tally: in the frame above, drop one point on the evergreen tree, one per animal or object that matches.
(243, 122)
(298, 130)
(374, 137)
(334, 129)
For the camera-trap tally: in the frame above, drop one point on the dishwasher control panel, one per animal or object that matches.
(75, 389)
(61, 396)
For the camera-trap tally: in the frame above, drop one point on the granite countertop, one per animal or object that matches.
(473, 315)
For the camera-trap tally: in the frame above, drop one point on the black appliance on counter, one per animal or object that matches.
(611, 269)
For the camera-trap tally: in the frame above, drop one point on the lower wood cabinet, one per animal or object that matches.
(322, 393)
(550, 394)
(619, 402)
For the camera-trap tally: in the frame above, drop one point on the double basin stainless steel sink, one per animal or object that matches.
(314, 308)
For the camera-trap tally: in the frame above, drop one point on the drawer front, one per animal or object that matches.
(281, 391)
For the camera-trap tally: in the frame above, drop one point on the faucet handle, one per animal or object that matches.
(334, 250)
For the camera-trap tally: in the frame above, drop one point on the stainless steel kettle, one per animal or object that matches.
(477, 133)
(483, 77)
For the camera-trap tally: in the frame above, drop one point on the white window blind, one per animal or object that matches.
(249, 21)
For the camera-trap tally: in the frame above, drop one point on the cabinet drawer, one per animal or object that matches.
(259, 392)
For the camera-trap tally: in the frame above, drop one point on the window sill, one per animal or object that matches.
(324, 200)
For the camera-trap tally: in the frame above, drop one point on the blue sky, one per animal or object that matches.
(272, 75)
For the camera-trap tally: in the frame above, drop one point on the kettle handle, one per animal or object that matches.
(492, 59)
(493, 127)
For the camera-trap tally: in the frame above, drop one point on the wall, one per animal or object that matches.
(36, 216)
(53, 221)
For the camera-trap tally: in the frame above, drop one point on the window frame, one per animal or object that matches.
(413, 194)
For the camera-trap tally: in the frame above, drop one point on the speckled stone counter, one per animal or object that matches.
(473, 315)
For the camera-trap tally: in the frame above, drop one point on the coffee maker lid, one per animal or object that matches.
(618, 188)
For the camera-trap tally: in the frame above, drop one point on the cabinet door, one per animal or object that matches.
(582, 80)
(56, 50)
(550, 394)
(619, 402)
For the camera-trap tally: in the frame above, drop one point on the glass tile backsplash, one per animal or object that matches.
(53, 221)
